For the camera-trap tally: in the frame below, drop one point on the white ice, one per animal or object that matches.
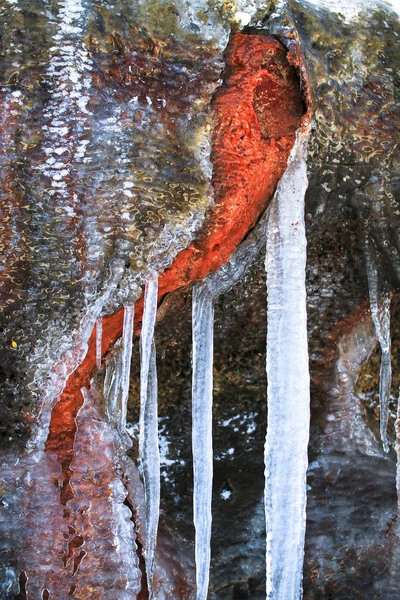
(151, 470)
(380, 311)
(148, 426)
(288, 383)
(99, 338)
(202, 386)
(127, 336)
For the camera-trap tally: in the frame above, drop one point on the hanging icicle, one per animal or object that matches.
(202, 327)
(112, 385)
(148, 426)
(397, 428)
(151, 470)
(99, 338)
(380, 311)
(127, 336)
(288, 383)
(146, 340)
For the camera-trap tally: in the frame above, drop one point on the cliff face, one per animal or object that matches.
(150, 137)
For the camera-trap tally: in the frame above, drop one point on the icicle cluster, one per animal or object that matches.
(288, 384)
(288, 392)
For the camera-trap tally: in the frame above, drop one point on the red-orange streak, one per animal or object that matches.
(256, 114)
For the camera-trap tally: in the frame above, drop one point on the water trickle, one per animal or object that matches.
(288, 383)
(202, 388)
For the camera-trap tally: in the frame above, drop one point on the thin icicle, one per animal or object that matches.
(202, 327)
(146, 340)
(380, 310)
(127, 336)
(99, 338)
(397, 428)
(148, 426)
(112, 385)
(151, 469)
(288, 384)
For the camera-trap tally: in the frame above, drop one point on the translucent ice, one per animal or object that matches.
(127, 336)
(288, 384)
(148, 427)
(99, 336)
(202, 327)
(380, 310)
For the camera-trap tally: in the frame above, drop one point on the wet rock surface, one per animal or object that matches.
(136, 102)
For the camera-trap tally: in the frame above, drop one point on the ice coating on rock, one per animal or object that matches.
(99, 335)
(93, 165)
(288, 383)
(87, 546)
(380, 310)
(240, 261)
(202, 394)
(101, 547)
(151, 469)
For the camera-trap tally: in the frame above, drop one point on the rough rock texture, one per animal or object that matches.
(105, 169)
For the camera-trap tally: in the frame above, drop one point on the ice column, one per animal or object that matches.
(99, 336)
(288, 383)
(127, 335)
(202, 327)
(148, 428)
(397, 427)
(380, 311)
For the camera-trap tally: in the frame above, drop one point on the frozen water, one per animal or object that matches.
(99, 336)
(127, 336)
(146, 341)
(148, 427)
(380, 310)
(288, 383)
(151, 469)
(202, 388)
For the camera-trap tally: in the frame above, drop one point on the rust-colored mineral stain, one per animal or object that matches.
(256, 114)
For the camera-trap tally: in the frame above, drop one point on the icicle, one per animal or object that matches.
(148, 426)
(380, 311)
(397, 428)
(288, 384)
(127, 335)
(151, 469)
(146, 340)
(112, 385)
(99, 336)
(202, 326)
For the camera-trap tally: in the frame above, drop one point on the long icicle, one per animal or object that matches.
(202, 328)
(148, 426)
(397, 429)
(127, 336)
(151, 470)
(288, 384)
(380, 311)
(99, 338)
